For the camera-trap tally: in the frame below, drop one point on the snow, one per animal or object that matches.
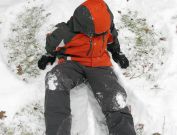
(14, 93)
(153, 104)
(52, 82)
(120, 100)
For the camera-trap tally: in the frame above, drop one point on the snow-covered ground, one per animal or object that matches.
(153, 103)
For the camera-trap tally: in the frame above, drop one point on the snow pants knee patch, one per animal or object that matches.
(118, 101)
(106, 88)
(58, 80)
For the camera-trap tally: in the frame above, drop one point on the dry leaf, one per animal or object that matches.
(35, 108)
(19, 70)
(146, 30)
(163, 39)
(119, 12)
(2, 115)
(156, 134)
(140, 126)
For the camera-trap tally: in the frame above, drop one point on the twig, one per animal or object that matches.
(151, 66)
(163, 128)
(133, 76)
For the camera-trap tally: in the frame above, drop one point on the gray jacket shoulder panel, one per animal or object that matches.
(81, 21)
(61, 34)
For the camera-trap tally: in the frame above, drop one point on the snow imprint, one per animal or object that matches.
(120, 100)
(52, 82)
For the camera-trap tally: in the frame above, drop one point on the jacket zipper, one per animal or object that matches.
(91, 45)
(103, 40)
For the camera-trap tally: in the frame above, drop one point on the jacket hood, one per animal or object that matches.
(92, 17)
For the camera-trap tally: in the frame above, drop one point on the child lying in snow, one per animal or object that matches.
(81, 46)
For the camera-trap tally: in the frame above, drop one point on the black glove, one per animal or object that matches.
(44, 60)
(121, 59)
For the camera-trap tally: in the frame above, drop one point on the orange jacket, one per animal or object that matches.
(86, 36)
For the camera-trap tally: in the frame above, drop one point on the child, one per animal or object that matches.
(81, 46)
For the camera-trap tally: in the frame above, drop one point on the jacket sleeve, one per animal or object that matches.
(70, 24)
(60, 36)
(53, 40)
(113, 42)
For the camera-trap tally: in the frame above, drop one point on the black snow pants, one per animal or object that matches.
(108, 92)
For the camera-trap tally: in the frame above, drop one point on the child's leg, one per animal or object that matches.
(112, 99)
(59, 81)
